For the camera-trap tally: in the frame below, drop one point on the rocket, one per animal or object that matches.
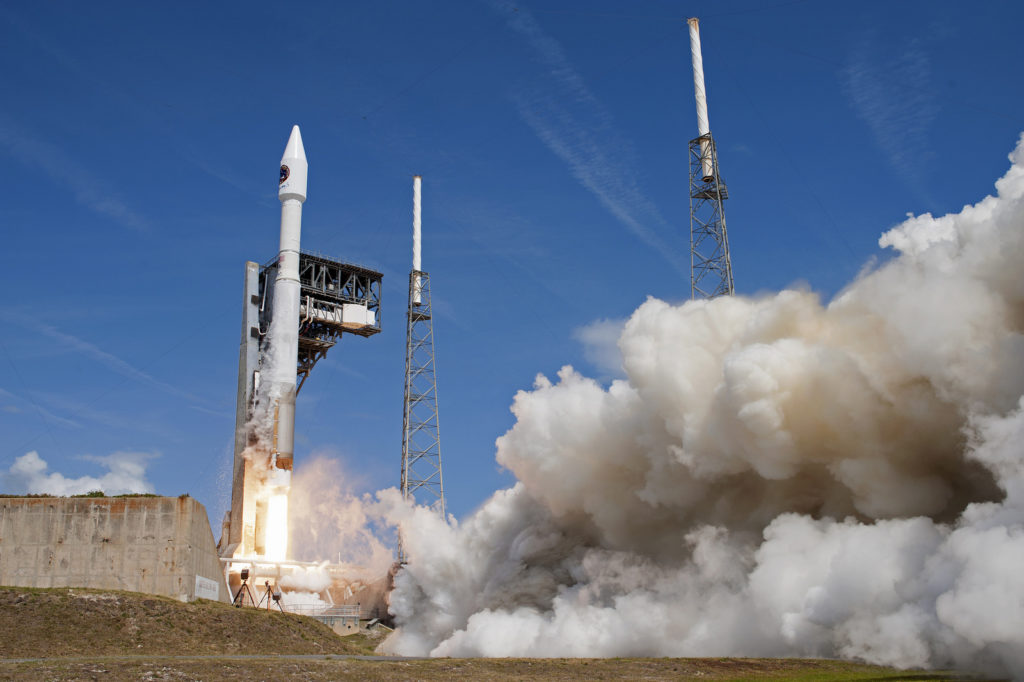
(284, 332)
(272, 514)
(257, 524)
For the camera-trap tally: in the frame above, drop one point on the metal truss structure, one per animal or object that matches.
(335, 298)
(421, 435)
(710, 265)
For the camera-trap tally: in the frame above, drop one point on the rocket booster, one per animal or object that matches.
(284, 333)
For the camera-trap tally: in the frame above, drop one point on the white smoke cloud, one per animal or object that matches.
(309, 578)
(126, 473)
(303, 602)
(774, 477)
(600, 344)
(327, 521)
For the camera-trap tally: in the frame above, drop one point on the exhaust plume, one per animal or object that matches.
(328, 522)
(773, 477)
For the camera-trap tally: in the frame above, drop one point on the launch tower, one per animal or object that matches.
(421, 433)
(710, 265)
(336, 298)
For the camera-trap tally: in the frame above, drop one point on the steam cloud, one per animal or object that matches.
(126, 473)
(774, 477)
(327, 521)
(260, 428)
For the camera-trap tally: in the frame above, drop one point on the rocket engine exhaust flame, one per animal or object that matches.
(277, 525)
(775, 477)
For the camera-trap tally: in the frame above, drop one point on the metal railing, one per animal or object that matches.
(325, 610)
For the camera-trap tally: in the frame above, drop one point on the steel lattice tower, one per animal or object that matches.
(421, 433)
(710, 265)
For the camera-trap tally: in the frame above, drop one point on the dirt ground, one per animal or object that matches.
(291, 668)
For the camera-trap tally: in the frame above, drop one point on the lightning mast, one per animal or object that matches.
(710, 265)
(421, 435)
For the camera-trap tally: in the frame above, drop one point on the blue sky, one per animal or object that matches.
(141, 144)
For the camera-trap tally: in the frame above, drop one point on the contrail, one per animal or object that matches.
(579, 130)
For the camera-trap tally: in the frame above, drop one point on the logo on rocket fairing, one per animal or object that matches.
(284, 174)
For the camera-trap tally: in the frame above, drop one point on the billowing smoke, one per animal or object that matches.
(310, 579)
(327, 521)
(774, 477)
(261, 422)
(302, 588)
(125, 473)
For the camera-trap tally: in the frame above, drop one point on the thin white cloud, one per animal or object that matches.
(110, 361)
(578, 129)
(20, 405)
(206, 410)
(491, 231)
(89, 412)
(891, 92)
(125, 473)
(125, 101)
(65, 171)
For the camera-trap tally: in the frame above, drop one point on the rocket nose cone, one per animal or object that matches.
(294, 148)
(294, 169)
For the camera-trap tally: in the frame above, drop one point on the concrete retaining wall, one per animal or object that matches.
(155, 545)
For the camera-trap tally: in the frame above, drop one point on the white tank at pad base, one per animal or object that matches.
(154, 545)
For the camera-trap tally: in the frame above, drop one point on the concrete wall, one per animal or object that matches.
(342, 625)
(155, 545)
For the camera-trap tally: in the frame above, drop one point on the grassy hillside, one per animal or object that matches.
(81, 622)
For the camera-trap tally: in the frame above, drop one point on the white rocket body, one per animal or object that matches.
(417, 240)
(284, 331)
(703, 127)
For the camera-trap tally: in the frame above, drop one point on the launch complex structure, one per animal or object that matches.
(294, 310)
(421, 429)
(336, 298)
(298, 306)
